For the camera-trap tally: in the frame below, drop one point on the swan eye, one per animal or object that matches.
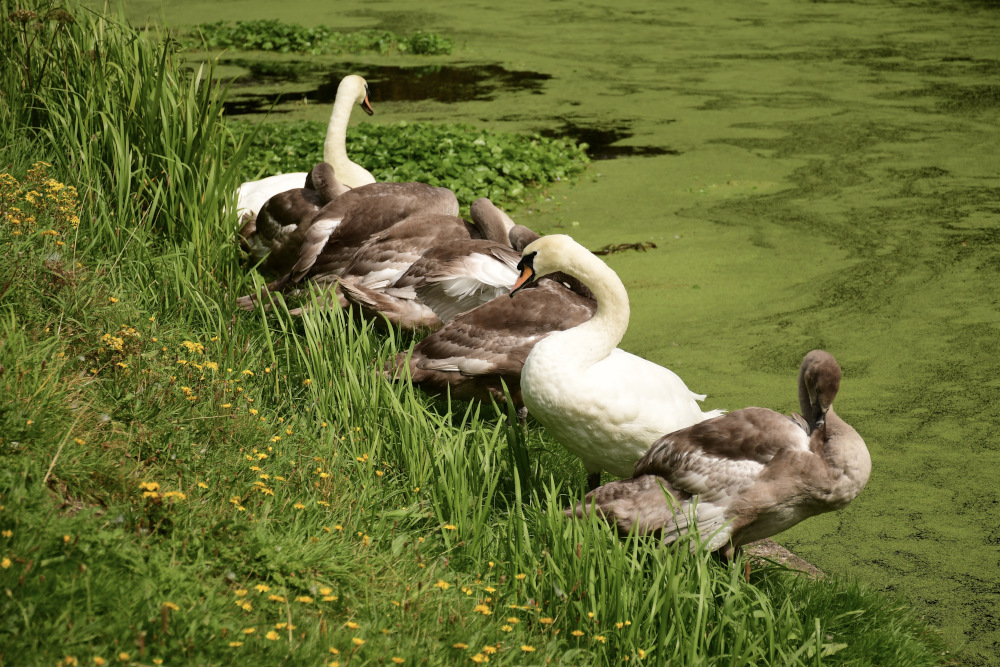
(528, 260)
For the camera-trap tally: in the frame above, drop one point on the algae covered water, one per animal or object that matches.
(814, 174)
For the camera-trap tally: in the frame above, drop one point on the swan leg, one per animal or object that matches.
(593, 480)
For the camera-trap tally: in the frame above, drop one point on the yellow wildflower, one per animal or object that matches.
(527, 649)
(272, 635)
(5, 563)
(235, 644)
(577, 633)
(546, 621)
(442, 584)
(357, 641)
(460, 646)
(304, 599)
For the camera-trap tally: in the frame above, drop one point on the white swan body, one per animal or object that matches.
(603, 404)
(252, 195)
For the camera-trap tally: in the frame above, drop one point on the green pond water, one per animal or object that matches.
(814, 174)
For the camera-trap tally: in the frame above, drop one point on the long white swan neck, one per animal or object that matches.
(335, 145)
(607, 327)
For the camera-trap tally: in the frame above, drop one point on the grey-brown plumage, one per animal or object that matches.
(339, 229)
(475, 353)
(420, 282)
(745, 475)
(377, 266)
(274, 236)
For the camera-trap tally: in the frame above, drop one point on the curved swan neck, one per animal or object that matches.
(335, 145)
(491, 223)
(607, 327)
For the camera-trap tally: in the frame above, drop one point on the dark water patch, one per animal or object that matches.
(443, 83)
(601, 141)
(392, 83)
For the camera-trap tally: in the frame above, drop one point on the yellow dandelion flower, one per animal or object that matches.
(460, 646)
(490, 649)
(330, 598)
(479, 658)
(299, 506)
(526, 648)
(590, 614)
(482, 609)
(546, 621)
(520, 577)
(448, 526)
(325, 590)
(123, 656)
(202, 485)
(577, 633)
(5, 563)
(334, 663)
(357, 641)
(98, 660)
(305, 599)
(307, 382)
(248, 373)
(272, 635)
(442, 584)
(262, 588)
(276, 598)
(352, 625)
(514, 620)
(506, 628)
(490, 589)
(599, 638)
(150, 486)
(642, 654)
(338, 527)
(235, 644)
(397, 660)
(249, 631)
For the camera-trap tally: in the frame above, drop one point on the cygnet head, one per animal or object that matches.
(819, 382)
(356, 85)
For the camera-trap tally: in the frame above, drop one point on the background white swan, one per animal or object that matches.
(252, 195)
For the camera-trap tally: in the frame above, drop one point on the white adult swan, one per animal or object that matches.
(601, 403)
(352, 89)
(746, 475)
